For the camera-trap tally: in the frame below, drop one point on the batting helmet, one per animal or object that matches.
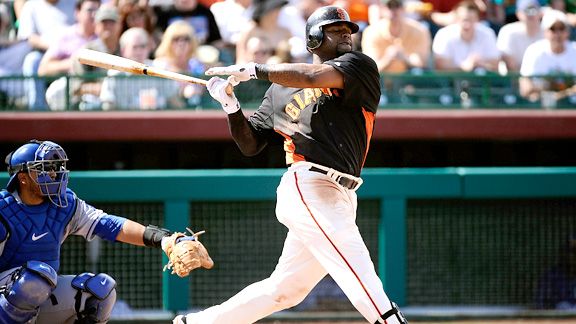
(322, 17)
(48, 159)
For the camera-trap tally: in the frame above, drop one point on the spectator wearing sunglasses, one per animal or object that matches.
(548, 64)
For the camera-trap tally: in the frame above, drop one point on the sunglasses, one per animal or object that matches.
(181, 39)
(558, 29)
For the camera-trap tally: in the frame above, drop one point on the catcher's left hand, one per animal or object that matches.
(185, 253)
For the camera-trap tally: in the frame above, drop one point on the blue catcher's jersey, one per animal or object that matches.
(34, 232)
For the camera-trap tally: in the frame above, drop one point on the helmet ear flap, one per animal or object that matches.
(315, 36)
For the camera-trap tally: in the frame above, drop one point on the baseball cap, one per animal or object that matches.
(527, 6)
(107, 13)
(551, 17)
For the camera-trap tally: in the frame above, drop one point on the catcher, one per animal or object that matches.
(37, 213)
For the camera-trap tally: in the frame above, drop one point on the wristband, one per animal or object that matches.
(153, 236)
(262, 72)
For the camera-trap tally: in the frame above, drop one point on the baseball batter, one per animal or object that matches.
(325, 112)
(37, 213)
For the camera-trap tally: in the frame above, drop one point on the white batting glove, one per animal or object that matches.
(240, 72)
(217, 89)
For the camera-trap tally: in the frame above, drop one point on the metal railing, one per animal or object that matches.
(416, 89)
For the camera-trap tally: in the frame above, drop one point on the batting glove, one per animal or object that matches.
(217, 89)
(240, 72)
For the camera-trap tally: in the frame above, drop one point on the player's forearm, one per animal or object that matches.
(53, 66)
(301, 75)
(248, 142)
(131, 233)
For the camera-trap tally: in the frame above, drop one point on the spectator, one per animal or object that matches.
(491, 13)
(466, 45)
(413, 9)
(264, 24)
(515, 37)
(133, 14)
(554, 55)
(557, 286)
(232, 16)
(119, 91)
(108, 33)
(40, 23)
(396, 43)
(291, 18)
(259, 50)
(567, 7)
(58, 57)
(197, 15)
(177, 52)
(12, 51)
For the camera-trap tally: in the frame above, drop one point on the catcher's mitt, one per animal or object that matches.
(186, 253)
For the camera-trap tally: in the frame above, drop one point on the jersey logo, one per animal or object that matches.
(36, 238)
(301, 100)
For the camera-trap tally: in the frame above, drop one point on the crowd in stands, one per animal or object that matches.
(39, 39)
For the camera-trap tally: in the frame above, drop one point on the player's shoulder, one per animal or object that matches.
(356, 59)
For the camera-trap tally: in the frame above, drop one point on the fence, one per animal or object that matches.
(408, 90)
(450, 236)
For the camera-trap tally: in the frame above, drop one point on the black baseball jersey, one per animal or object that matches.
(331, 127)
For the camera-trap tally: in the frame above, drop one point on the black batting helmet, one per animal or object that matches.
(322, 17)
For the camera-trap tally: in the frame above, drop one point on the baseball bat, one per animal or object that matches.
(114, 62)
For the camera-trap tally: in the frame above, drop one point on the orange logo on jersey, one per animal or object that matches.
(303, 99)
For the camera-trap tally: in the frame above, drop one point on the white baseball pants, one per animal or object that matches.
(323, 238)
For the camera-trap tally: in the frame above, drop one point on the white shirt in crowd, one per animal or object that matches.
(448, 44)
(513, 40)
(540, 60)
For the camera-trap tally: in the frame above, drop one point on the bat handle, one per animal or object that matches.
(229, 89)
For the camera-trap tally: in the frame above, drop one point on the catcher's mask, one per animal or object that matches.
(322, 17)
(48, 160)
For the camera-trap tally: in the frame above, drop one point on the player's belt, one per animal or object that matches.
(345, 180)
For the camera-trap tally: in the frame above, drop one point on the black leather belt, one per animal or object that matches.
(343, 181)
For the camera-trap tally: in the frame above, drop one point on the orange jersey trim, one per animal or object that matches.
(369, 118)
(290, 149)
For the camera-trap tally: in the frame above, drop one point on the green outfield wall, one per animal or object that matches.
(439, 236)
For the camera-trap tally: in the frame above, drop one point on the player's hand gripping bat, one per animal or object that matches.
(114, 62)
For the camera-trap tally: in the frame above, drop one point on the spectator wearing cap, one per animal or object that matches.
(554, 56)
(569, 8)
(264, 24)
(466, 45)
(396, 43)
(514, 38)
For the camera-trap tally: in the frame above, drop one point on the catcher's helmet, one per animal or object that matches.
(322, 17)
(48, 159)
